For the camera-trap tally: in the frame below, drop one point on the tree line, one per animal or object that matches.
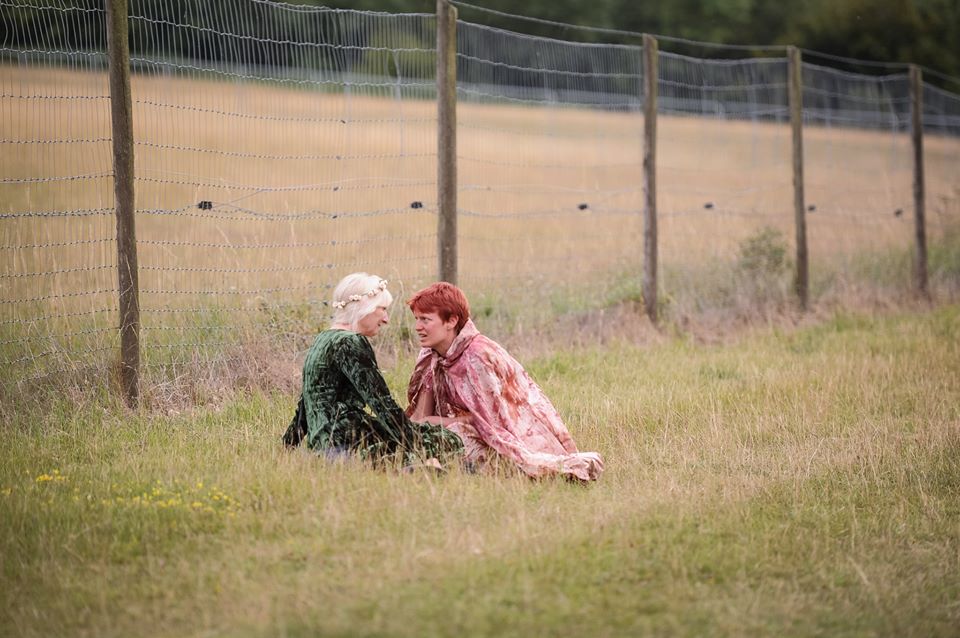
(925, 32)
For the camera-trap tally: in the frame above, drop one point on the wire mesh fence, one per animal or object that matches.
(724, 173)
(941, 125)
(279, 147)
(549, 153)
(59, 300)
(858, 173)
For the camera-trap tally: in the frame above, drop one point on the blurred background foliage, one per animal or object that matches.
(925, 32)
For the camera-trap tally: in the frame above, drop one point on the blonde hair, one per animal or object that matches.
(356, 296)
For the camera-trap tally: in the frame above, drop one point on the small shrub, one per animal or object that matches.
(764, 254)
(763, 267)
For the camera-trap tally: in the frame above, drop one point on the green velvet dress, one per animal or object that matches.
(346, 406)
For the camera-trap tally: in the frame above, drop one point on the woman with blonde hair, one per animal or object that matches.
(471, 385)
(345, 406)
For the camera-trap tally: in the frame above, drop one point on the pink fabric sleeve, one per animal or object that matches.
(513, 416)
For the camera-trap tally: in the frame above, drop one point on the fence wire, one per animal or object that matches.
(723, 172)
(279, 147)
(549, 152)
(57, 253)
(858, 173)
(941, 125)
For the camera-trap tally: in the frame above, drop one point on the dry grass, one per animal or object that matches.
(252, 270)
(801, 484)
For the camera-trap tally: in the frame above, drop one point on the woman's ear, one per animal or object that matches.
(452, 322)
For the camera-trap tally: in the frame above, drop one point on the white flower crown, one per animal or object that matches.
(376, 290)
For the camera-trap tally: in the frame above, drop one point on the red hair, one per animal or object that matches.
(443, 298)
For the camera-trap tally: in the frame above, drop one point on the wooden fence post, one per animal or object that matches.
(650, 77)
(447, 141)
(122, 120)
(919, 195)
(795, 96)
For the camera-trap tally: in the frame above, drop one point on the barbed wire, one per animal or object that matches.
(16, 96)
(286, 118)
(63, 295)
(233, 213)
(533, 277)
(50, 353)
(551, 133)
(537, 189)
(202, 345)
(575, 236)
(89, 212)
(63, 315)
(311, 244)
(282, 118)
(267, 41)
(55, 336)
(720, 87)
(559, 72)
(530, 164)
(275, 269)
(297, 188)
(215, 309)
(553, 212)
(499, 97)
(65, 178)
(97, 140)
(59, 271)
(281, 80)
(853, 76)
(240, 154)
(64, 8)
(58, 244)
(855, 61)
(55, 52)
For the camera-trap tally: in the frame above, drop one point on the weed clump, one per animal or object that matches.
(763, 267)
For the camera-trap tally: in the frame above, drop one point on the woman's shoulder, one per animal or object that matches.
(488, 350)
(341, 339)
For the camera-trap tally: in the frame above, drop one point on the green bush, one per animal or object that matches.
(763, 267)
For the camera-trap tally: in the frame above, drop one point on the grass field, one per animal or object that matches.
(787, 482)
(306, 186)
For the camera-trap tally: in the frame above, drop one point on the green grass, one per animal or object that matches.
(791, 483)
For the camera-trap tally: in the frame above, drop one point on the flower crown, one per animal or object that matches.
(373, 292)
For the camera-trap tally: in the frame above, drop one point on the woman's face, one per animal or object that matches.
(369, 325)
(434, 332)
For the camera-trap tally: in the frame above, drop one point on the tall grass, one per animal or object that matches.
(794, 482)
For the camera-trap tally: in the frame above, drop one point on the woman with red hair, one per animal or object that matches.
(472, 386)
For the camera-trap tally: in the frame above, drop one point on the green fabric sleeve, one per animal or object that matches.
(359, 366)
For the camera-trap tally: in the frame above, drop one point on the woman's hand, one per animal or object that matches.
(447, 420)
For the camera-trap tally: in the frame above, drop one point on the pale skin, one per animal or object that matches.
(370, 324)
(433, 332)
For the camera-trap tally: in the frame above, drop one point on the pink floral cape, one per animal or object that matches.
(510, 414)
